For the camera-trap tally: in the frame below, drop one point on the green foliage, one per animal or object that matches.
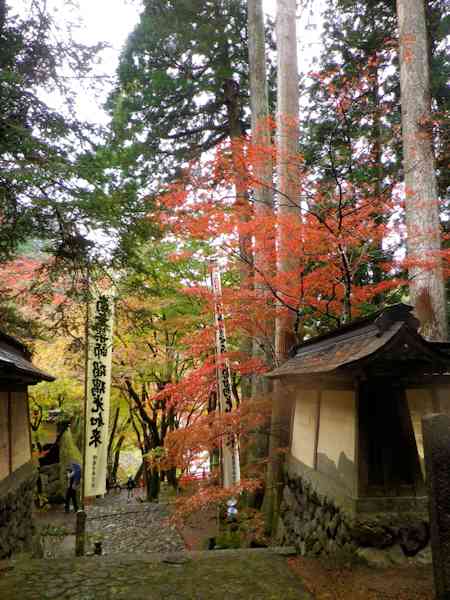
(54, 531)
(351, 133)
(68, 454)
(169, 104)
(41, 181)
(229, 539)
(356, 33)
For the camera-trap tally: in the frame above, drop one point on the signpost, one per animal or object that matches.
(97, 393)
(230, 446)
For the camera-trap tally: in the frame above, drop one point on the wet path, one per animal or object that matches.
(218, 575)
(132, 526)
(121, 524)
(144, 560)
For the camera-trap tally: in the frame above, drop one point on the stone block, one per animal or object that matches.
(317, 548)
(288, 497)
(371, 535)
(333, 526)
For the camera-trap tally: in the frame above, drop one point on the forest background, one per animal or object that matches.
(309, 235)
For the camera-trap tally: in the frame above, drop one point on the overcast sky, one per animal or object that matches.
(111, 21)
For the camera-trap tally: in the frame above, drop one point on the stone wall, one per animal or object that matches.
(315, 525)
(16, 501)
(51, 483)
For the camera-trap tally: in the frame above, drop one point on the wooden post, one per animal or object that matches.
(80, 533)
(86, 361)
(10, 436)
(316, 434)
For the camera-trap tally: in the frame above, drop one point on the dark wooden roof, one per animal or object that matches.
(15, 363)
(389, 335)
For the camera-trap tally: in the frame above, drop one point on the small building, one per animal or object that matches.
(355, 470)
(17, 470)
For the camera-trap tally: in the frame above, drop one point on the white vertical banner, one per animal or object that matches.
(230, 447)
(98, 385)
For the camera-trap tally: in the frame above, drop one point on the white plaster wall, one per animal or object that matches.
(304, 426)
(4, 438)
(337, 425)
(20, 432)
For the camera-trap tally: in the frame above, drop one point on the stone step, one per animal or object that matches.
(174, 557)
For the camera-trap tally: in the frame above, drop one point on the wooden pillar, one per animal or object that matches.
(10, 437)
(316, 436)
(80, 533)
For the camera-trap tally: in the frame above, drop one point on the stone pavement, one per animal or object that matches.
(258, 574)
(121, 525)
(143, 559)
(132, 527)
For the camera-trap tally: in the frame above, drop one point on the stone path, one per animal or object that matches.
(216, 575)
(132, 527)
(144, 560)
(121, 525)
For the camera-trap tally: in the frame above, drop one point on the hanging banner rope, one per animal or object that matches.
(230, 446)
(98, 384)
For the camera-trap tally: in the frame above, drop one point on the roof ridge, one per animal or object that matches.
(395, 310)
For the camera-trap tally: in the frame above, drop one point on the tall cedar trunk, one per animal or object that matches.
(231, 91)
(287, 210)
(264, 250)
(427, 288)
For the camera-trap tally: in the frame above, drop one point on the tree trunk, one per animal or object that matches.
(264, 253)
(288, 212)
(139, 474)
(115, 463)
(172, 478)
(231, 91)
(264, 249)
(427, 288)
(109, 453)
(153, 481)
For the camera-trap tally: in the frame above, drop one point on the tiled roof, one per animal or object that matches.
(15, 363)
(359, 340)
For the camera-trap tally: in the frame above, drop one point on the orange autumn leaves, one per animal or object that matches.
(338, 230)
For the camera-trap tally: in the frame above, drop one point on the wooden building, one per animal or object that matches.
(355, 398)
(17, 471)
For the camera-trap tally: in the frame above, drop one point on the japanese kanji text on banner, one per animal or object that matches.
(97, 393)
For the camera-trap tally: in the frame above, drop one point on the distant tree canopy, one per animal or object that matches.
(351, 128)
(40, 191)
(360, 47)
(58, 200)
(169, 105)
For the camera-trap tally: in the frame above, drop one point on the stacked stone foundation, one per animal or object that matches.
(316, 525)
(16, 502)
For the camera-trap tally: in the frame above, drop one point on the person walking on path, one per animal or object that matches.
(130, 487)
(73, 481)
